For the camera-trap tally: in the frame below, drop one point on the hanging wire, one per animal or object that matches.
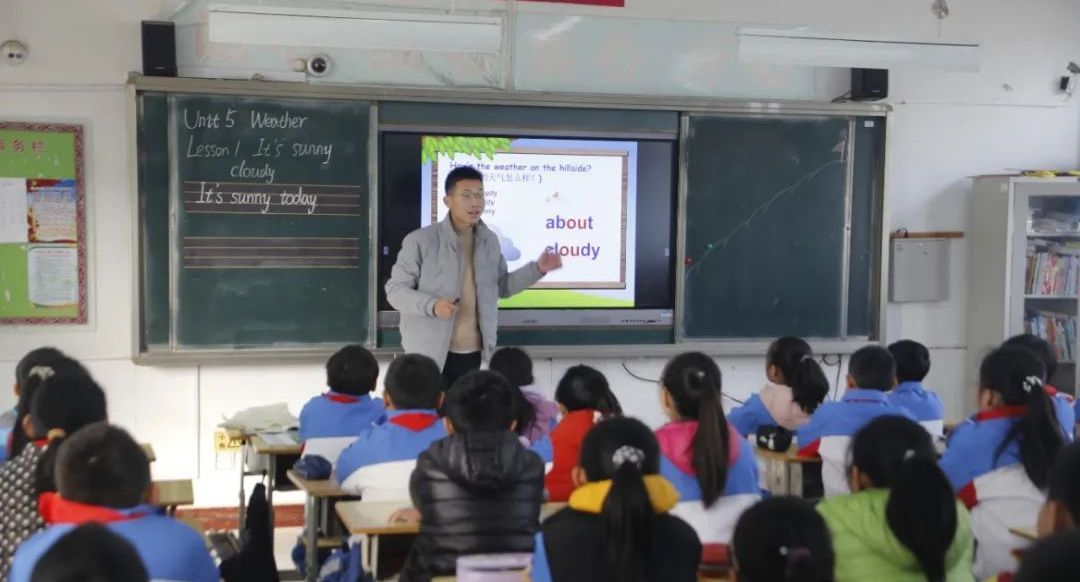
(839, 363)
(630, 373)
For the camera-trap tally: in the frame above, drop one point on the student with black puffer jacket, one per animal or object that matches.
(477, 491)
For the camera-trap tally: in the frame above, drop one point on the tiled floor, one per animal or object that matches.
(284, 540)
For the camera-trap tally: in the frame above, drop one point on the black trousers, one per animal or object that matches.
(457, 365)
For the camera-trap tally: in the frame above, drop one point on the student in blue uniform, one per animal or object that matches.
(1063, 403)
(104, 477)
(912, 366)
(999, 461)
(378, 465)
(796, 386)
(871, 374)
(711, 465)
(90, 552)
(348, 408)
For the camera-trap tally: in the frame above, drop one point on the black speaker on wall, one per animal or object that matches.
(158, 48)
(869, 84)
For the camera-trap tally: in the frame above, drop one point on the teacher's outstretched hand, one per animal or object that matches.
(549, 261)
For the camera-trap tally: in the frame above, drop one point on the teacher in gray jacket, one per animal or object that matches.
(449, 277)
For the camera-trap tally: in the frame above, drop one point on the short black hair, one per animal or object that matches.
(480, 401)
(102, 465)
(1039, 347)
(912, 360)
(90, 553)
(413, 381)
(1051, 560)
(873, 368)
(352, 370)
(514, 364)
(462, 173)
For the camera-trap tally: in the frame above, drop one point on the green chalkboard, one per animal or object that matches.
(269, 244)
(767, 209)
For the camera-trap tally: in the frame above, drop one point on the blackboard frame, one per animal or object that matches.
(684, 106)
(878, 267)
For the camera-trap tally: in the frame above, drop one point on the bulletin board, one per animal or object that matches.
(42, 224)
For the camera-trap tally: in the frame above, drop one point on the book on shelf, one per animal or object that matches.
(1056, 328)
(1052, 272)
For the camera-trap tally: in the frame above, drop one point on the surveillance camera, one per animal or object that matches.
(14, 52)
(318, 66)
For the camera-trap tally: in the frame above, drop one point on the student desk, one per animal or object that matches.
(172, 494)
(317, 495)
(261, 448)
(371, 519)
(784, 470)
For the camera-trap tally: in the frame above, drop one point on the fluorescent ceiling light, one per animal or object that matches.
(801, 47)
(354, 29)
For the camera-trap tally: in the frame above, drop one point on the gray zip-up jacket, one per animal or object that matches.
(429, 267)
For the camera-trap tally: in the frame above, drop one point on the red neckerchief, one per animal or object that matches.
(415, 421)
(1055, 393)
(40, 443)
(1001, 412)
(55, 509)
(341, 398)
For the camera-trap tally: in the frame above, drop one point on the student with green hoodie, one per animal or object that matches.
(902, 522)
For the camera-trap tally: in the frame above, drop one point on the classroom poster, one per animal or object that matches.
(42, 235)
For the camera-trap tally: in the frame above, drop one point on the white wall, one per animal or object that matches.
(945, 128)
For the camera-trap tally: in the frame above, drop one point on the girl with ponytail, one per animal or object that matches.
(51, 396)
(584, 397)
(782, 539)
(616, 527)
(796, 386)
(28, 372)
(901, 522)
(998, 461)
(710, 464)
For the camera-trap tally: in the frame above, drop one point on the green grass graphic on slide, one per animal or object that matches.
(451, 145)
(551, 298)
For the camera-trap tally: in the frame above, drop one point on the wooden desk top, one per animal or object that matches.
(148, 449)
(172, 493)
(320, 488)
(373, 517)
(1028, 533)
(790, 456)
(264, 448)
